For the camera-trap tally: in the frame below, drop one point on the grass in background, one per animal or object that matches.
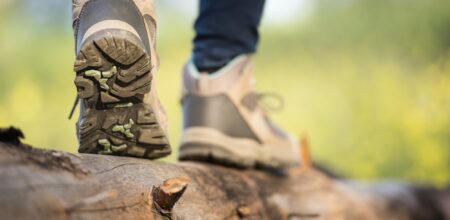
(368, 80)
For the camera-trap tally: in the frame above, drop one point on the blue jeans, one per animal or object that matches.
(225, 29)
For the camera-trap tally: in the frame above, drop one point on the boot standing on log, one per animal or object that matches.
(115, 67)
(120, 114)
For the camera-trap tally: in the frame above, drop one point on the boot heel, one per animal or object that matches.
(112, 70)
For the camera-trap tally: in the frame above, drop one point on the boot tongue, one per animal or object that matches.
(203, 82)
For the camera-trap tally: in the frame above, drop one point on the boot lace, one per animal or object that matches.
(269, 101)
(74, 106)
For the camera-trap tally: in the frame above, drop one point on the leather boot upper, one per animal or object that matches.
(227, 101)
(146, 11)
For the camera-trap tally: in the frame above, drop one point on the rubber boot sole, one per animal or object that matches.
(209, 145)
(113, 73)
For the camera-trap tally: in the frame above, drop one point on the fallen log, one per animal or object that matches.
(46, 184)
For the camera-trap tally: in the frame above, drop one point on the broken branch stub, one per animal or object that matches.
(166, 195)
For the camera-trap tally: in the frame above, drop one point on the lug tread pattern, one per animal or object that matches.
(131, 79)
(112, 77)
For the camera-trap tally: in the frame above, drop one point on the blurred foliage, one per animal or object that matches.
(369, 80)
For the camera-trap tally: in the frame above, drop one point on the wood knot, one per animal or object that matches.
(11, 135)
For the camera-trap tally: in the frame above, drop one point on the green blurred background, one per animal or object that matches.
(368, 80)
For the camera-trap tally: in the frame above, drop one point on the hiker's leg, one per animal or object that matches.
(223, 122)
(225, 29)
(115, 66)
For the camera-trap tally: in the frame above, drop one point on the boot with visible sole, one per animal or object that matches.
(224, 124)
(115, 65)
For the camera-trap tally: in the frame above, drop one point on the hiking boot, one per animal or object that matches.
(224, 124)
(115, 67)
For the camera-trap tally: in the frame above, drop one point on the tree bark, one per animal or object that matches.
(43, 184)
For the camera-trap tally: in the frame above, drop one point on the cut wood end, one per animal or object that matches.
(175, 185)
